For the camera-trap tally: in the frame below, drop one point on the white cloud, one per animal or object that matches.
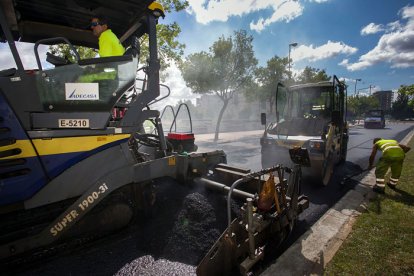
(348, 81)
(344, 62)
(396, 46)
(319, 1)
(328, 50)
(179, 90)
(207, 11)
(372, 28)
(26, 53)
(287, 11)
(394, 26)
(6, 60)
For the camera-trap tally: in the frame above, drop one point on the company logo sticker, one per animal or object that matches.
(82, 91)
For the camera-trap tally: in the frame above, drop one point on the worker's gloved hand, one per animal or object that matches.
(405, 148)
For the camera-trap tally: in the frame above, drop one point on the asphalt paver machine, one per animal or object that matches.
(75, 159)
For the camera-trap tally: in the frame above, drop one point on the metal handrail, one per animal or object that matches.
(49, 40)
(175, 117)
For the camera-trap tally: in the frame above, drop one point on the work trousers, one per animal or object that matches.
(384, 163)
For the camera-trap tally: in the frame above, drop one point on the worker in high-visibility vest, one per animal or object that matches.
(393, 155)
(109, 44)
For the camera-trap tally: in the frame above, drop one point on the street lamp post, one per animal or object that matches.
(290, 46)
(370, 86)
(356, 80)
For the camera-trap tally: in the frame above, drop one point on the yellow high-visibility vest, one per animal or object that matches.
(390, 148)
(109, 45)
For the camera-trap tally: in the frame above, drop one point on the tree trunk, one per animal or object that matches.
(216, 135)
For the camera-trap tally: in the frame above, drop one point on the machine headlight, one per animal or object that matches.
(317, 145)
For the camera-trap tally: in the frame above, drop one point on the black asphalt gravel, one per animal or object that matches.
(185, 222)
(192, 234)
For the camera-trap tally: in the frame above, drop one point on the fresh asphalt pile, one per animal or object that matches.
(192, 234)
(148, 266)
(188, 240)
(184, 223)
(197, 224)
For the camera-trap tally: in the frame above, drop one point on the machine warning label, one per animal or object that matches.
(70, 217)
(171, 161)
(82, 91)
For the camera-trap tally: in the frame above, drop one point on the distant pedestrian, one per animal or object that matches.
(393, 155)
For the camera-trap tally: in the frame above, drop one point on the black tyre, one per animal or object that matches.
(327, 170)
(344, 149)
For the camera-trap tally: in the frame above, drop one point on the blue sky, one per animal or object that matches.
(354, 39)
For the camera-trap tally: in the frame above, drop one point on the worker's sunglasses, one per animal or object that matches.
(94, 24)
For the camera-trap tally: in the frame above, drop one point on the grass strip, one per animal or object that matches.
(382, 239)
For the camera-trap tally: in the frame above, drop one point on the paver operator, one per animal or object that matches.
(109, 44)
(393, 155)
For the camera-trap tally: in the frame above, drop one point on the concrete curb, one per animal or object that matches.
(313, 250)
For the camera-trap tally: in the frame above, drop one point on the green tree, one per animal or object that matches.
(409, 91)
(227, 68)
(352, 107)
(169, 49)
(357, 106)
(310, 74)
(168, 46)
(63, 50)
(403, 107)
(268, 78)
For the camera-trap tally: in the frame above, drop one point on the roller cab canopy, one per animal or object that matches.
(32, 20)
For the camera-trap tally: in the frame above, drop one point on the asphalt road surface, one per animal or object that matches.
(321, 197)
(150, 248)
